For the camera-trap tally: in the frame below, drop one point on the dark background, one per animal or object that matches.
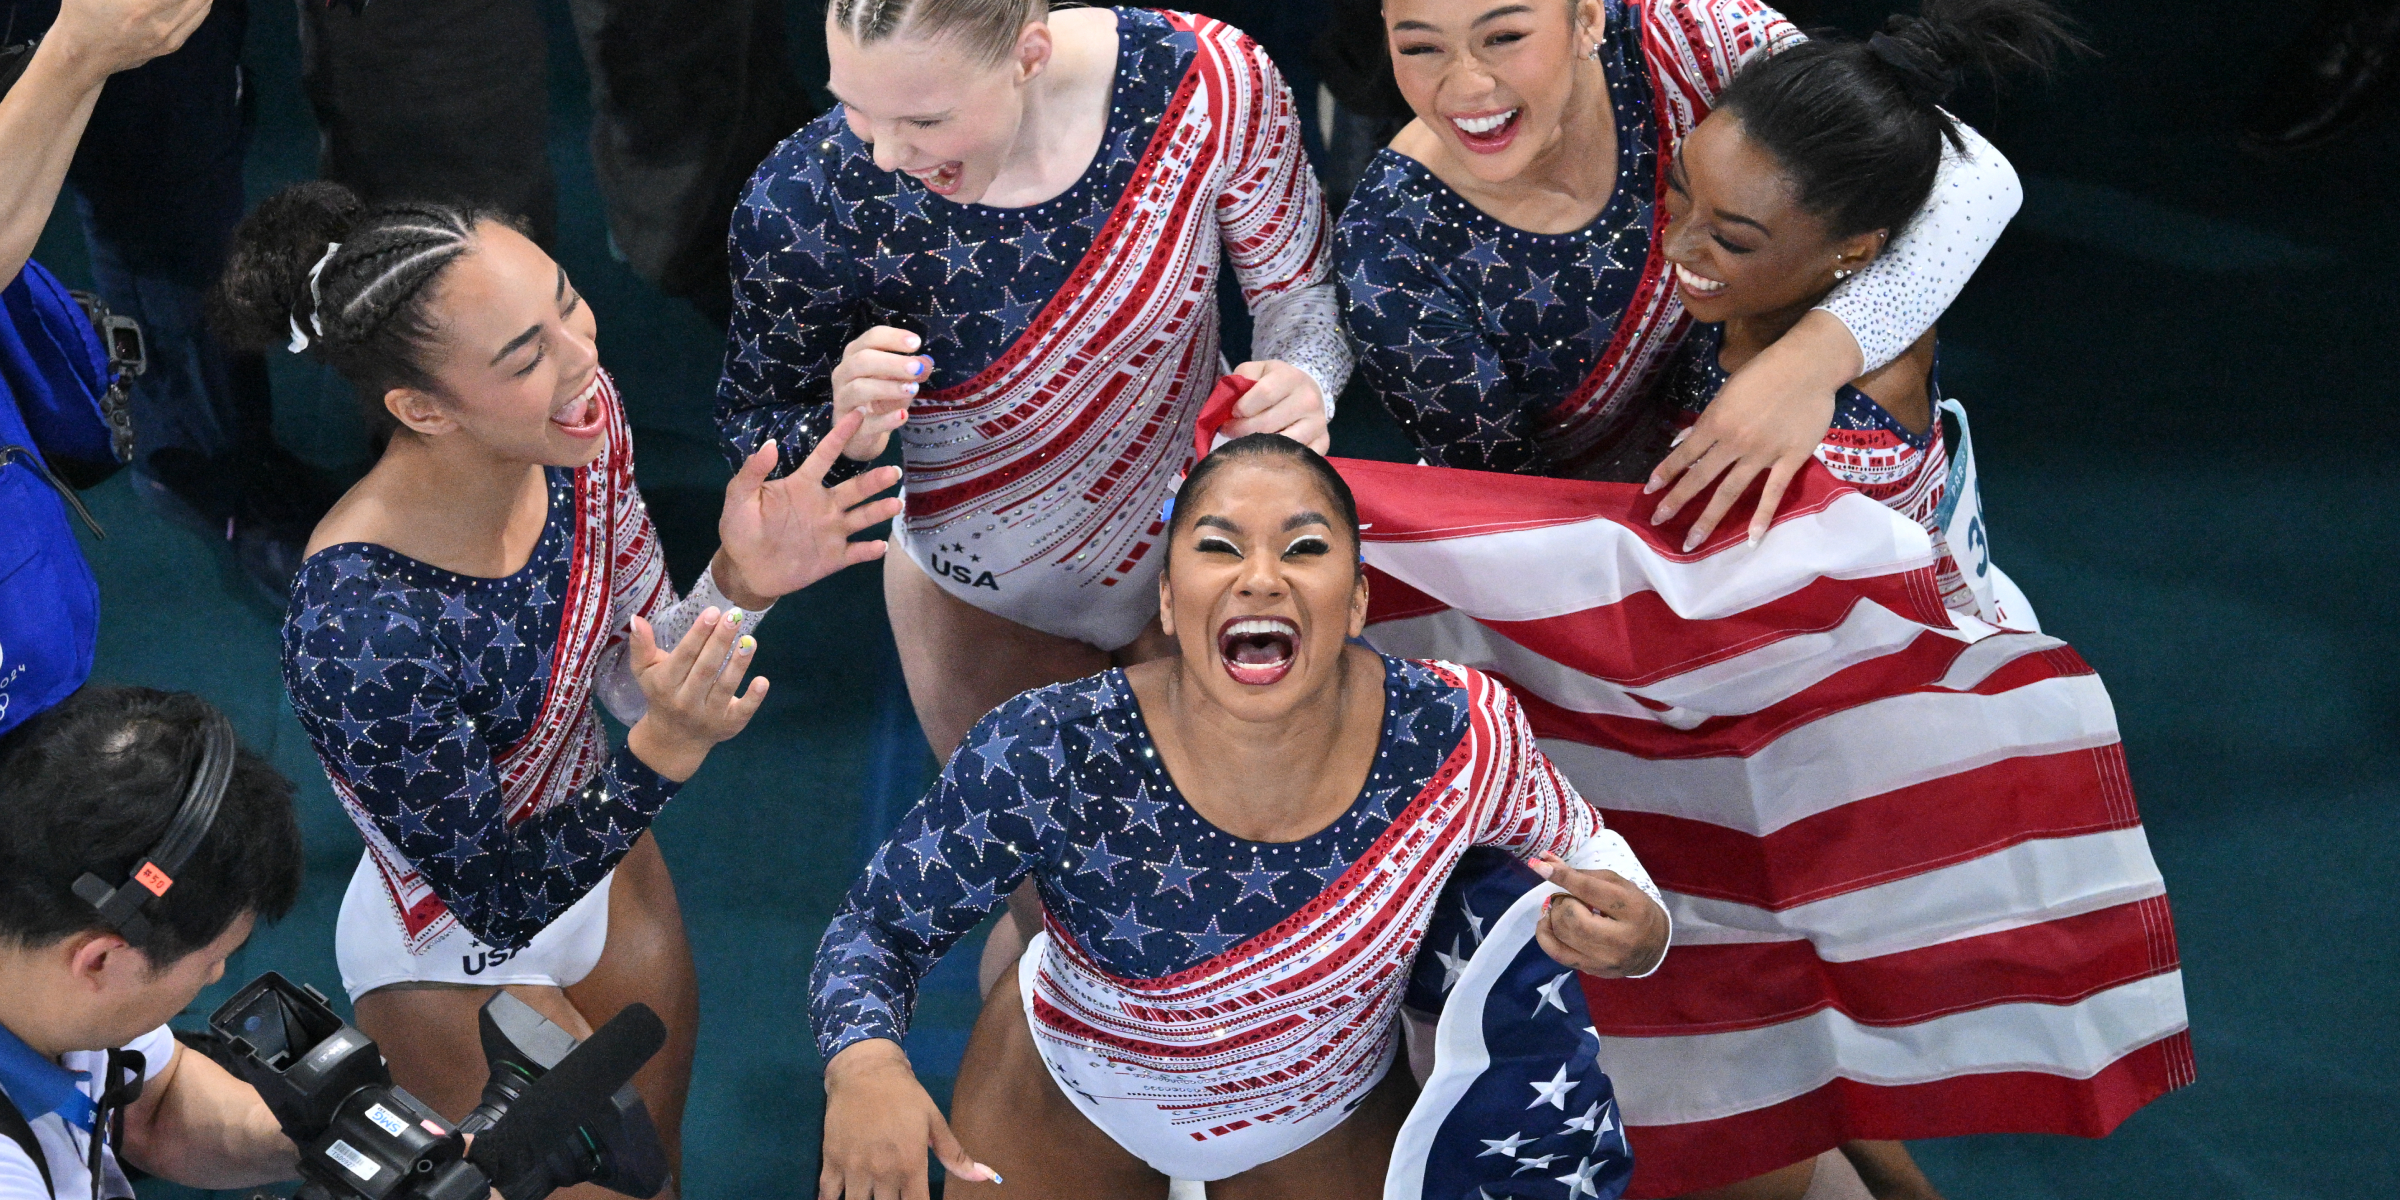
(2178, 359)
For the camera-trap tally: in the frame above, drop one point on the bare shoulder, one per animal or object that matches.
(1903, 385)
(1086, 34)
(357, 517)
(1416, 141)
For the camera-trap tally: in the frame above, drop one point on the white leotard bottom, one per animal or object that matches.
(1148, 1132)
(1068, 600)
(372, 948)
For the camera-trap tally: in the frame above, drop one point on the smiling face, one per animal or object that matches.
(515, 358)
(933, 111)
(1494, 79)
(1263, 588)
(1741, 244)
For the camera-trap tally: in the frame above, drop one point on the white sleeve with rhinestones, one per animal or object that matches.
(1891, 304)
(614, 685)
(1303, 327)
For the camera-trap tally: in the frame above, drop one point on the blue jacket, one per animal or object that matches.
(53, 372)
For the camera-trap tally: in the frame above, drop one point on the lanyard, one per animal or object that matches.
(36, 1087)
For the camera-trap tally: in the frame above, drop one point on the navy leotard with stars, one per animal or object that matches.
(827, 244)
(1470, 329)
(408, 678)
(1064, 785)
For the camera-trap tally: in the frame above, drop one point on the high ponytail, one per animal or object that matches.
(316, 270)
(1858, 126)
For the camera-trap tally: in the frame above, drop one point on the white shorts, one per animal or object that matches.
(1150, 1132)
(372, 947)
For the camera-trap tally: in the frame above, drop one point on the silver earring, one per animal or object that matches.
(1839, 276)
(1595, 55)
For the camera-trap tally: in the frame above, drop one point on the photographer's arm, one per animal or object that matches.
(42, 117)
(199, 1126)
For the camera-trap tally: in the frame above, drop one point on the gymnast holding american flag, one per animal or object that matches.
(1911, 893)
(1237, 849)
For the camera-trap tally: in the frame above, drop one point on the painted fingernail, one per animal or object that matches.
(917, 367)
(733, 616)
(911, 389)
(747, 644)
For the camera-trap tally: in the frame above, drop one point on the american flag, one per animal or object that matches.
(1911, 894)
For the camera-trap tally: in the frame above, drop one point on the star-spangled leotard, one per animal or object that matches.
(1229, 985)
(1072, 341)
(416, 684)
(1476, 333)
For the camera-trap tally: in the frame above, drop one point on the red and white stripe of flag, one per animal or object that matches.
(1912, 895)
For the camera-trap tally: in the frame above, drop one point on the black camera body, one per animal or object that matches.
(362, 1138)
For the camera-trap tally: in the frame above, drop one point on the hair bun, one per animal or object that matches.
(263, 293)
(1922, 73)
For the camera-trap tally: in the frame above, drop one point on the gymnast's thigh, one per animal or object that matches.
(1009, 1115)
(1348, 1163)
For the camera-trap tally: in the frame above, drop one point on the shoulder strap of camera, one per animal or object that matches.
(13, 1124)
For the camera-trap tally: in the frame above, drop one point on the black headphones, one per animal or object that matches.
(120, 906)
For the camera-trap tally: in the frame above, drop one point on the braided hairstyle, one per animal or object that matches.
(1858, 126)
(364, 311)
(985, 29)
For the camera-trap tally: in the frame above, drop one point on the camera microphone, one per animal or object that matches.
(522, 1152)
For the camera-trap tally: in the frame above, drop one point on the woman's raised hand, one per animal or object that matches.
(1285, 400)
(1603, 925)
(118, 35)
(878, 1124)
(780, 535)
(879, 375)
(692, 692)
(1768, 419)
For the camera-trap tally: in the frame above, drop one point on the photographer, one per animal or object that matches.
(96, 785)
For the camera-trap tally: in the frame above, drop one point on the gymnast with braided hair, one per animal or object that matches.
(463, 607)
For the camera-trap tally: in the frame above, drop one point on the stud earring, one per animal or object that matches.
(1840, 275)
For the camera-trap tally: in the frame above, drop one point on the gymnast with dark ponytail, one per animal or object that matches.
(1812, 159)
(464, 605)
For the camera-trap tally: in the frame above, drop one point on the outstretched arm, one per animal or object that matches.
(42, 117)
(952, 862)
(197, 1125)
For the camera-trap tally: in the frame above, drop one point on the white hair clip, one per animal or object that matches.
(316, 320)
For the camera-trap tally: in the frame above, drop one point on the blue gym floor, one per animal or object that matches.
(2179, 359)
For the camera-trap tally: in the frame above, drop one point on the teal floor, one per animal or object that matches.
(2179, 360)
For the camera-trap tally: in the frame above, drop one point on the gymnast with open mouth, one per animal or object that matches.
(1237, 849)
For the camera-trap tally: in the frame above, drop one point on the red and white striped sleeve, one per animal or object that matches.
(1528, 806)
(1271, 212)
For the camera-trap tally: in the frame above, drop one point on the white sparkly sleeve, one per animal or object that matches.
(1303, 327)
(614, 685)
(1891, 304)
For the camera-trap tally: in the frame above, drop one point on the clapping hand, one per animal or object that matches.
(781, 535)
(692, 692)
(1603, 925)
